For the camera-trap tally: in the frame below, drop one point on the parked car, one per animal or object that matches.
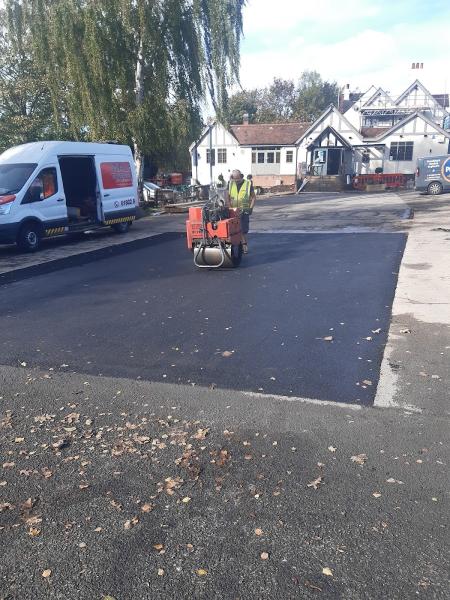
(55, 188)
(433, 174)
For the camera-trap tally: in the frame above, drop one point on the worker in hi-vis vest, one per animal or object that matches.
(242, 195)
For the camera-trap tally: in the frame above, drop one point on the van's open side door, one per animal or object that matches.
(117, 189)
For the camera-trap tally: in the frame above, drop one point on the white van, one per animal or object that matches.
(54, 188)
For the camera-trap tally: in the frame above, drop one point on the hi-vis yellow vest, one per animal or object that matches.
(240, 198)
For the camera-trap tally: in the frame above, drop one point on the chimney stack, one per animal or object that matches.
(347, 91)
(246, 119)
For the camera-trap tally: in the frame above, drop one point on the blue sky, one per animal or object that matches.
(361, 42)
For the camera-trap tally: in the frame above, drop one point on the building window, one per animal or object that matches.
(210, 156)
(289, 156)
(44, 186)
(266, 154)
(222, 155)
(401, 151)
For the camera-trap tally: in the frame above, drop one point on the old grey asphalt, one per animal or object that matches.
(135, 489)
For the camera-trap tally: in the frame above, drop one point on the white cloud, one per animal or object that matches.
(286, 14)
(369, 57)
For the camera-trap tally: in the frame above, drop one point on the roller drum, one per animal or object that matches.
(215, 257)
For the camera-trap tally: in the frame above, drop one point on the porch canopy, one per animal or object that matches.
(328, 153)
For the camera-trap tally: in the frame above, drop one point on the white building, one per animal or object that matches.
(268, 152)
(371, 132)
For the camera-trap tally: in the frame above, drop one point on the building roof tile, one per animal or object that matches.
(371, 132)
(269, 134)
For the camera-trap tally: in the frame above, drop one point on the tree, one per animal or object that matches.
(313, 96)
(241, 103)
(277, 102)
(284, 101)
(124, 66)
(25, 108)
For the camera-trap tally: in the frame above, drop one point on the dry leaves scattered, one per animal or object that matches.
(359, 459)
(316, 483)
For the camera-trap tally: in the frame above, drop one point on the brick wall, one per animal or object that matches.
(268, 181)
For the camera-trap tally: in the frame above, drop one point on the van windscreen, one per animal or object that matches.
(14, 176)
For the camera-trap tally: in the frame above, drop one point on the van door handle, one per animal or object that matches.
(60, 200)
(106, 195)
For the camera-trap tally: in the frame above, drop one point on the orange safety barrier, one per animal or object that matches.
(392, 180)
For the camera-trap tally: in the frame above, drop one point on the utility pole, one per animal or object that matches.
(210, 155)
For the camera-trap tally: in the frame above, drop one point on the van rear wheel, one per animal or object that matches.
(435, 188)
(29, 237)
(121, 227)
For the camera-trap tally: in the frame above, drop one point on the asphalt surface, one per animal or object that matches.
(229, 481)
(305, 315)
(120, 487)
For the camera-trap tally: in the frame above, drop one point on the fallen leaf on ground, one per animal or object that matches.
(405, 330)
(264, 555)
(327, 571)
(46, 573)
(392, 480)
(359, 459)
(332, 448)
(312, 586)
(328, 338)
(202, 572)
(201, 434)
(158, 547)
(376, 330)
(19, 440)
(315, 484)
(46, 472)
(186, 499)
(131, 523)
(34, 532)
(224, 456)
(227, 353)
(258, 531)
(28, 504)
(160, 572)
(376, 495)
(147, 507)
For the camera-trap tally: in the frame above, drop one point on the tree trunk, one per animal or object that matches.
(139, 98)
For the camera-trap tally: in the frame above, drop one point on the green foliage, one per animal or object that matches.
(241, 103)
(277, 102)
(136, 71)
(284, 101)
(313, 96)
(25, 113)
